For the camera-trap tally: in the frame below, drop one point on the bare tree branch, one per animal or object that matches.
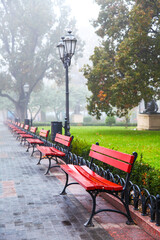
(7, 96)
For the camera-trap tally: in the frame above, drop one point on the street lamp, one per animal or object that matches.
(66, 48)
(26, 91)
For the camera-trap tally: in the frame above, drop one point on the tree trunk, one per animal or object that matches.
(20, 110)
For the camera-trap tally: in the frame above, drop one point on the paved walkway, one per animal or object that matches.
(32, 209)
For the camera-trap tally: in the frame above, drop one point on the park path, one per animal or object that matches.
(32, 209)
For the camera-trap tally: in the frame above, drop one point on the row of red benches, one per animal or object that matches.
(83, 175)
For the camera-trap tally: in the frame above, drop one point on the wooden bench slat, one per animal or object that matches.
(53, 152)
(34, 141)
(113, 153)
(66, 138)
(43, 133)
(59, 140)
(26, 127)
(23, 135)
(83, 181)
(50, 151)
(93, 183)
(33, 129)
(58, 152)
(111, 161)
(108, 185)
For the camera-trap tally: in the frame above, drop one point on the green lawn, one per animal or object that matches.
(127, 140)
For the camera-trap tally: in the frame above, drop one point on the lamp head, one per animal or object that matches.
(70, 44)
(26, 88)
(61, 49)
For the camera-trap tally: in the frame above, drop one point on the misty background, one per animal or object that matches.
(47, 103)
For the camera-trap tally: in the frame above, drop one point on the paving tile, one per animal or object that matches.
(31, 206)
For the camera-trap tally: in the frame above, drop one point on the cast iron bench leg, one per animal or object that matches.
(67, 184)
(28, 147)
(40, 158)
(49, 165)
(33, 149)
(126, 204)
(93, 194)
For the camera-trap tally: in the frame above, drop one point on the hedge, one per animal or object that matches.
(142, 175)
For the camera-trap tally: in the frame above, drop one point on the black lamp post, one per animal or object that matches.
(66, 49)
(26, 91)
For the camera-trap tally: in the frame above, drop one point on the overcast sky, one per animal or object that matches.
(84, 11)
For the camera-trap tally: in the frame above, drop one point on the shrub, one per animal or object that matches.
(80, 148)
(39, 124)
(142, 175)
(87, 119)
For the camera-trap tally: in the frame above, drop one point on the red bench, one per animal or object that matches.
(12, 125)
(15, 127)
(95, 184)
(19, 129)
(23, 130)
(52, 153)
(23, 136)
(34, 142)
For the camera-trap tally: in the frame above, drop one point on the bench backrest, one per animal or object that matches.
(26, 127)
(22, 125)
(64, 140)
(33, 129)
(114, 158)
(44, 133)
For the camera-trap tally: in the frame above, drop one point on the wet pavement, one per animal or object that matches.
(31, 207)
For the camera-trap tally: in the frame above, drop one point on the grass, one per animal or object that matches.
(127, 140)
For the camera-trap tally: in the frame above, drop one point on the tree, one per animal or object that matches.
(29, 33)
(138, 56)
(110, 120)
(52, 99)
(125, 68)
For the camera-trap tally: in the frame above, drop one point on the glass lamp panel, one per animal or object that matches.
(26, 88)
(61, 49)
(68, 45)
(74, 41)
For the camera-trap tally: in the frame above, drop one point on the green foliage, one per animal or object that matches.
(29, 33)
(125, 68)
(110, 120)
(87, 119)
(80, 148)
(146, 171)
(52, 99)
(143, 174)
(146, 176)
(41, 124)
(128, 140)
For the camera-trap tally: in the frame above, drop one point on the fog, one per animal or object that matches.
(84, 11)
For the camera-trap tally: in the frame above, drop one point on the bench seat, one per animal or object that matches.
(89, 179)
(34, 141)
(20, 131)
(50, 151)
(26, 135)
(94, 184)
